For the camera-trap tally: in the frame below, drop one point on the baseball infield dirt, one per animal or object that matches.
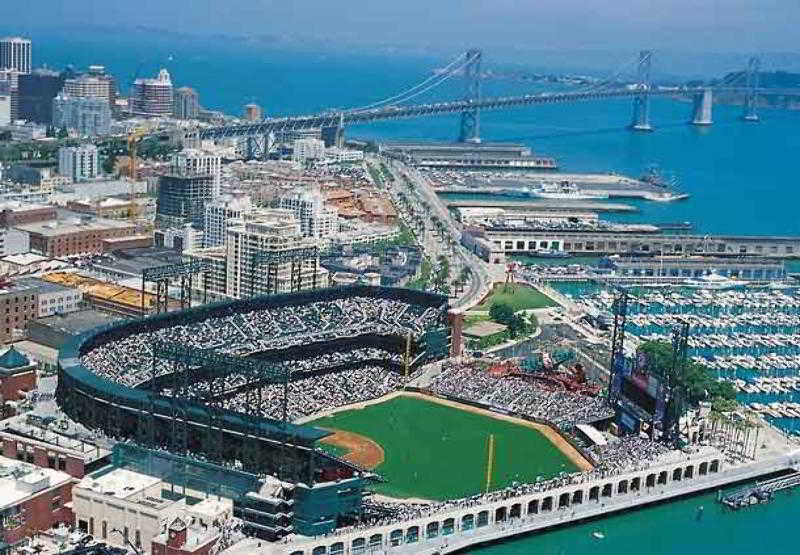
(360, 449)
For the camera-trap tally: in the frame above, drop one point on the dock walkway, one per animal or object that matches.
(761, 492)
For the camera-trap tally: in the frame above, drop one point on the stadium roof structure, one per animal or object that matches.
(72, 369)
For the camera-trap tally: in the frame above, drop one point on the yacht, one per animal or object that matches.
(713, 280)
(565, 190)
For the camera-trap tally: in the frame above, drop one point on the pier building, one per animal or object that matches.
(469, 155)
(745, 268)
(493, 243)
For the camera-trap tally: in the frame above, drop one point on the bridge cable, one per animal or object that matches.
(446, 73)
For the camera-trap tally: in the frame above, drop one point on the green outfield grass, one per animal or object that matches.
(519, 297)
(438, 452)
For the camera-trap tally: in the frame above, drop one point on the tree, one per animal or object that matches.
(501, 312)
(697, 382)
(62, 133)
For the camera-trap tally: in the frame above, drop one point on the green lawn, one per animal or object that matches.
(520, 297)
(438, 452)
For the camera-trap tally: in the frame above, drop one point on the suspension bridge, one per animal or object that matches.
(467, 66)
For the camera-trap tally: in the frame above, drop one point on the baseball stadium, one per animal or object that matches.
(326, 411)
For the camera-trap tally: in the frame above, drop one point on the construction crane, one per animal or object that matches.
(133, 144)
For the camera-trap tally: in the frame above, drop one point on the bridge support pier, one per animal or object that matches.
(470, 119)
(751, 97)
(702, 108)
(641, 102)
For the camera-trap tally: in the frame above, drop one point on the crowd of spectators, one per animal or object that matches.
(531, 398)
(129, 361)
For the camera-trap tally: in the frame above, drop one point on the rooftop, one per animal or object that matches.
(12, 358)
(78, 322)
(61, 227)
(118, 482)
(19, 481)
(21, 425)
(24, 259)
(42, 285)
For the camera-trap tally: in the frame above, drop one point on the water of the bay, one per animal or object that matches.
(742, 178)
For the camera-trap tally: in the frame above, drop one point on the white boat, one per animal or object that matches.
(565, 190)
(598, 535)
(780, 285)
(713, 280)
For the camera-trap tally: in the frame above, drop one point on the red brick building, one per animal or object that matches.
(26, 441)
(33, 499)
(180, 539)
(64, 238)
(18, 305)
(15, 213)
(17, 376)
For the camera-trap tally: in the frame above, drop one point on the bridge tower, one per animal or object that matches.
(470, 118)
(641, 102)
(751, 96)
(703, 103)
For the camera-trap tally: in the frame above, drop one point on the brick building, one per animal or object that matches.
(64, 238)
(30, 440)
(33, 499)
(13, 213)
(18, 306)
(180, 539)
(17, 375)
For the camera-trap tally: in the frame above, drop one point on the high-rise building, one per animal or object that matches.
(234, 273)
(308, 149)
(193, 162)
(36, 93)
(79, 163)
(252, 112)
(220, 212)
(192, 181)
(152, 97)
(9, 85)
(185, 103)
(89, 86)
(5, 108)
(16, 53)
(309, 207)
(88, 117)
(99, 72)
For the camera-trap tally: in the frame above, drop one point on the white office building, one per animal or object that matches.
(235, 273)
(309, 149)
(271, 231)
(193, 162)
(79, 163)
(5, 109)
(16, 53)
(54, 298)
(86, 117)
(343, 155)
(123, 507)
(308, 205)
(220, 212)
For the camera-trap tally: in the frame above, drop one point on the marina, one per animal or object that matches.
(748, 337)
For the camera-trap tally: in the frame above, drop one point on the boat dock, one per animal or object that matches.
(552, 205)
(760, 493)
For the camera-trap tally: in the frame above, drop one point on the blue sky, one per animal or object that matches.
(708, 25)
